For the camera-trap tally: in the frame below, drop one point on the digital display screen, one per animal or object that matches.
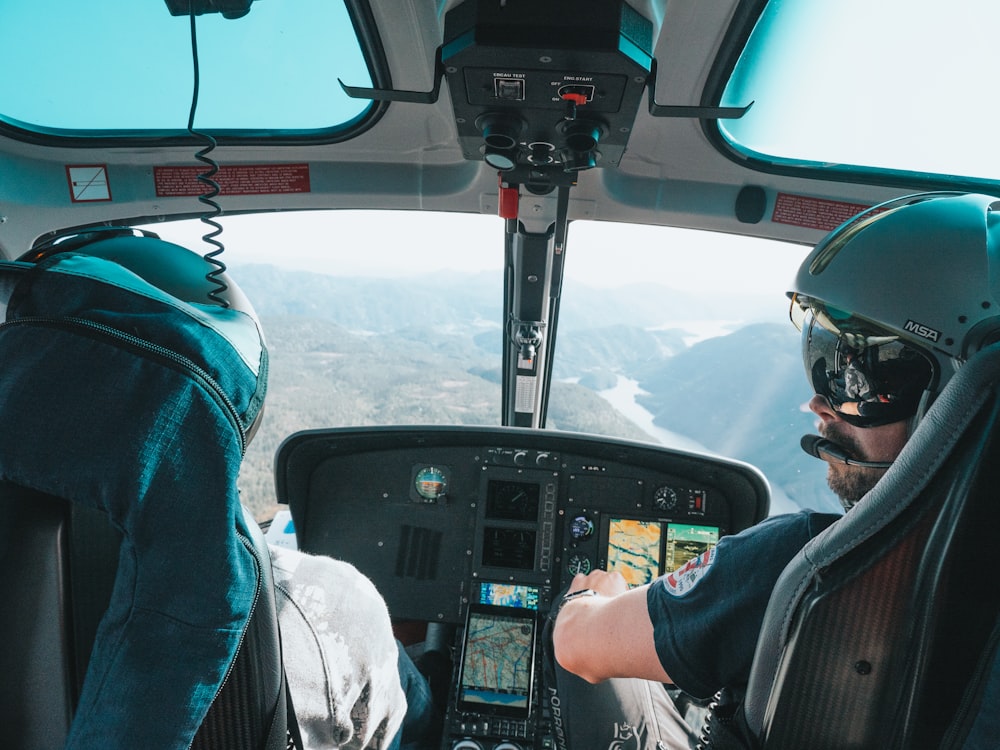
(685, 541)
(509, 548)
(634, 549)
(512, 501)
(641, 549)
(497, 661)
(508, 595)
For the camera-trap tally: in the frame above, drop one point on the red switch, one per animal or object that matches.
(509, 197)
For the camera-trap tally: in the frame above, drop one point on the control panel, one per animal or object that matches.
(481, 529)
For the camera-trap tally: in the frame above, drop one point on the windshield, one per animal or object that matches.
(668, 336)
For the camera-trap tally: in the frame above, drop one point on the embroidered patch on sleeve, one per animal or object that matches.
(683, 580)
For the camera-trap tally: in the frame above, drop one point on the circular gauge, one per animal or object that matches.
(578, 563)
(581, 527)
(665, 498)
(431, 483)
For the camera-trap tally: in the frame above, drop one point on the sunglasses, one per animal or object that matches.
(868, 377)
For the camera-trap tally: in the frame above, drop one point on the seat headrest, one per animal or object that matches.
(10, 274)
(138, 270)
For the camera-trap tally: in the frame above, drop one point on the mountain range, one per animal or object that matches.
(356, 351)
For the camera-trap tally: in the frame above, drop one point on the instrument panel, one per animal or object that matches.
(482, 528)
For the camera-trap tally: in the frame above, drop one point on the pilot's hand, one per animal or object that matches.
(601, 581)
(605, 636)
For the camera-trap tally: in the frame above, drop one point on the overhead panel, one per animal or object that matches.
(544, 90)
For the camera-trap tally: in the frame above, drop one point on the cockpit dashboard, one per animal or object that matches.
(482, 528)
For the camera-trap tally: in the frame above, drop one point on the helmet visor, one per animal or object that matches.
(868, 376)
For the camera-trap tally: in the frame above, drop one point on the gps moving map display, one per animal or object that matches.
(641, 550)
(634, 549)
(497, 661)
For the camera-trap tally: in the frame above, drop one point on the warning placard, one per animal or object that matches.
(88, 182)
(240, 179)
(814, 213)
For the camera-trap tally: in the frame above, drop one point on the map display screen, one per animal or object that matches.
(641, 550)
(634, 549)
(497, 661)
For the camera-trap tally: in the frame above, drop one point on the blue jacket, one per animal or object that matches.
(120, 397)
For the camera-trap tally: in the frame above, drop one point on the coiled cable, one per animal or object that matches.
(215, 277)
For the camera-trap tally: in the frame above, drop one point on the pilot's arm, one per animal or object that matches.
(607, 635)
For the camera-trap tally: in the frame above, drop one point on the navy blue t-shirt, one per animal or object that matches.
(707, 614)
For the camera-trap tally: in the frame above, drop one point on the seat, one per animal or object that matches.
(882, 632)
(58, 562)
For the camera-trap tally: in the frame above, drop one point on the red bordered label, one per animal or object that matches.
(813, 213)
(88, 183)
(238, 179)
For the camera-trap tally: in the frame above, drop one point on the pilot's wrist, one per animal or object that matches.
(578, 594)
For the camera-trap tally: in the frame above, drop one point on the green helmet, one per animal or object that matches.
(178, 273)
(894, 300)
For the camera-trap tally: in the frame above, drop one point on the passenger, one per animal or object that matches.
(90, 324)
(91, 413)
(352, 684)
(697, 628)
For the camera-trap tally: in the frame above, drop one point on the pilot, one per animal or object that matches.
(876, 358)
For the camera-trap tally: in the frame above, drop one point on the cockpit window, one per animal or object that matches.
(666, 336)
(855, 85)
(61, 59)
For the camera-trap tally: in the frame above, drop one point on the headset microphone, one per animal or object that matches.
(825, 449)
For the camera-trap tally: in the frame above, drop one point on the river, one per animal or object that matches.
(623, 396)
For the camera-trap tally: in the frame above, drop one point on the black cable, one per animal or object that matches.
(214, 276)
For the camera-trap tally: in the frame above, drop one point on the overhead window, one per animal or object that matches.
(853, 85)
(126, 67)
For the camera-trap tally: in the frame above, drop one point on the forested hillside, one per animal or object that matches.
(348, 352)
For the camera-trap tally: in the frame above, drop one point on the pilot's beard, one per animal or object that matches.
(850, 483)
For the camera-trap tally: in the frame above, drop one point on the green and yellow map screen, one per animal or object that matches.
(641, 550)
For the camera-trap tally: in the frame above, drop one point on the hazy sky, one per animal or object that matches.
(600, 254)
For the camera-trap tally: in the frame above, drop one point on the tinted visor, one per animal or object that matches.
(869, 377)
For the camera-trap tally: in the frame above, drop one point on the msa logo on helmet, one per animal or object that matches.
(921, 330)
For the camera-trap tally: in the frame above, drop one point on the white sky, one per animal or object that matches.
(599, 254)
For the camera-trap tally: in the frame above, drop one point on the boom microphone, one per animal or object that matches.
(827, 450)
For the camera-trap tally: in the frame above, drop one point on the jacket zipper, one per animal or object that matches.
(155, 351)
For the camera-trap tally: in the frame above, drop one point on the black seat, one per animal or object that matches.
(58, 562)
(882, 632)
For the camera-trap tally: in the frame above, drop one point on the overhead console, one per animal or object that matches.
(543, 91)
(481, 528)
